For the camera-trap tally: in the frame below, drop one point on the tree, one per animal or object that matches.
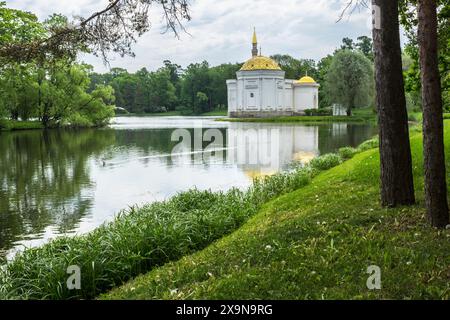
(347, 44)
(295, 68)
(397, 187)
(365, 45)
(114, 28)
(409, 20)
(433, 140)
(196, 78)
(322, 70)
(349, 80)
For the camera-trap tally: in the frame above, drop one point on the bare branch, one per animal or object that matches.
(353, 5)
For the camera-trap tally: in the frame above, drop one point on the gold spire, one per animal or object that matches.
(254, 44)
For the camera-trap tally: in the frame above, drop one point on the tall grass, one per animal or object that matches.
(140, 239)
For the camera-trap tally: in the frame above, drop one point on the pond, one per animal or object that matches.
(66, 182)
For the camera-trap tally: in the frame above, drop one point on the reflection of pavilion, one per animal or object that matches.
(264, 149)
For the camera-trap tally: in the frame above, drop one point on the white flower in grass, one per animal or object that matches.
(173, 291)
(268, 247)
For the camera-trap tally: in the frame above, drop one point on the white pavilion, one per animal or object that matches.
(261, 90)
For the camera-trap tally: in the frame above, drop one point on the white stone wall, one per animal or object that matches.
(288, 95)
(232, 95)
(306, 97)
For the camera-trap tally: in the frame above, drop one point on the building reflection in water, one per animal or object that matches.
(264, 150)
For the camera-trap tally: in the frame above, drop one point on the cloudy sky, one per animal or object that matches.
(221, 30)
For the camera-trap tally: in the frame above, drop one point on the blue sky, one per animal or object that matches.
(220, 31)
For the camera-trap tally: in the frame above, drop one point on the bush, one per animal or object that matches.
(325, 162)
(19, 125)
(369, 144)
(347, 152)
(319, 112)
(184, 111)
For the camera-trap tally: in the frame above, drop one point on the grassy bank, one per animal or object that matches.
(174, 114)
(303, 119)
(360, 115)
(216, 113)
(141, 239)
(6, 125)
(316, 243)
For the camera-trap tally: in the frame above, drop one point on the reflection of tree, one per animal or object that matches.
(337, 135)
(42, 176)
(155, 141)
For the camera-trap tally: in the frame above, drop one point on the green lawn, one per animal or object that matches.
(316, 243)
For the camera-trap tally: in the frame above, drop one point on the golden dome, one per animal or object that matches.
(306, 80)
(260, 63)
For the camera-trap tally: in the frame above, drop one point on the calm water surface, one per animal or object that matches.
(65, 182)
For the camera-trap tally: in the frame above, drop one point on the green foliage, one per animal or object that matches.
(325, 162)
(409, 21)
(53, 91)
(18, 26)
(295, 68)
(19, 125)
(369, 144)
(322, 70)
(347, 152)
(196, 90)
(350, 80)
(319, 112)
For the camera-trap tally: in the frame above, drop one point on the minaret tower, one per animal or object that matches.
(255, 44)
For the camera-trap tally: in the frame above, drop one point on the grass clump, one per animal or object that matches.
(326, 162)
(369, 144)
(347, 152)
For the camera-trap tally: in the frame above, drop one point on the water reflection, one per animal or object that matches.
(70, 181)
(45, 181)
(265, 149)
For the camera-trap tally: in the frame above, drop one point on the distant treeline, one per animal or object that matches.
(197, 89)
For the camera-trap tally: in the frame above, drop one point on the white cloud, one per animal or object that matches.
(220, 31)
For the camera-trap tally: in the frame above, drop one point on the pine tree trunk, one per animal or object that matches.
(397, 187)
(433, 133)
